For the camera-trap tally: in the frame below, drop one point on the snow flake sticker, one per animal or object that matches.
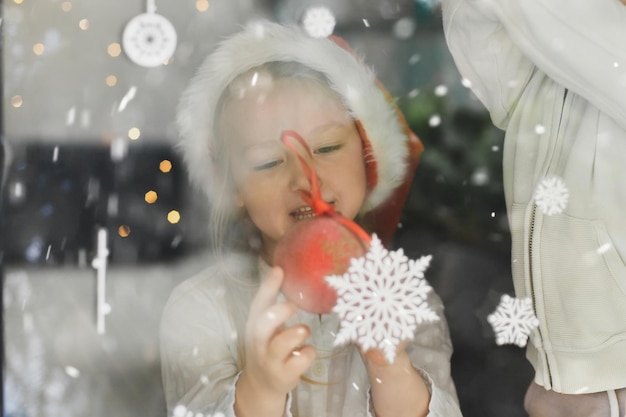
(149, 39)
(551, 195)
(513, 320)
(381, 299)
(319, 22)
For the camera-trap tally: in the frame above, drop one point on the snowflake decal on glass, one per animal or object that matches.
(513, 320)
(551, 195)
(381, 299)
(319, 22)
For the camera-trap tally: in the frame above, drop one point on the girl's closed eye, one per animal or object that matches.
(263, 157)
(267, 165)
(328, 149)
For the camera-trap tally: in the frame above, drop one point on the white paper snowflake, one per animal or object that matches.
(319, 22)
(551, 195)
(381, 299)
(149, 39)
(513, 320)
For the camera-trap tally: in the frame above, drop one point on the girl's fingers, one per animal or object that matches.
(268, 292)
(301, 359)
(288, 340)
(376, 356)
(267, 323)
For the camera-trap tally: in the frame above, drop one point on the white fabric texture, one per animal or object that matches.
(553, 75)
(199, 350)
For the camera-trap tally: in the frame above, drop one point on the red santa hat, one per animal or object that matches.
(391, 149)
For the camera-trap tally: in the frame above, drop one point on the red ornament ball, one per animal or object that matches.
(308, 252)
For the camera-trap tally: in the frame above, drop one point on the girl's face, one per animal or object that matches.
(268, 177)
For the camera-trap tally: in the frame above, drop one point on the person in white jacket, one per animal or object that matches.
(553, 75)
(230, 343)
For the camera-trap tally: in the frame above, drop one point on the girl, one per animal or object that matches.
(231, 344)
(551, 73)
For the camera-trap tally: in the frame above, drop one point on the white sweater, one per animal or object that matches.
(552, 73)
(200, 357)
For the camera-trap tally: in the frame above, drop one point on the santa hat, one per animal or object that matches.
(392, 149)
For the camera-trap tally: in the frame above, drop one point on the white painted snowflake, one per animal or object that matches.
(381, 299)
(319, 22)
(551, 195)
(513, 320)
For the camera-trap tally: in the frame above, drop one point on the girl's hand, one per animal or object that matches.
(377, 356)
(275, 359)
(397, 388)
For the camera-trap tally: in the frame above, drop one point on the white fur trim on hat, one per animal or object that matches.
(263, 42)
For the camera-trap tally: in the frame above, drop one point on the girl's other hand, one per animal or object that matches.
(275, 357)
(377, 357)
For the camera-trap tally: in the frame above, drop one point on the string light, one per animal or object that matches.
(202, 5)
(114, 49)
(165, 166)
(111, 80)
(173, 217)
(134, 133)
(151, 197)
(38, 48)
(123, 230)
(16, 101)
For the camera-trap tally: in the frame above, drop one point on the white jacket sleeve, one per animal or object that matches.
(486, 56)
(577, 43)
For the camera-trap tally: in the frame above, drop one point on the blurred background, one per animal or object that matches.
(88, 136)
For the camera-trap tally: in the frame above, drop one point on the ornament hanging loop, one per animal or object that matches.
(151, 6)
(313, 197)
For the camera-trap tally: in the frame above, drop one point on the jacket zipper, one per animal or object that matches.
(530, 246)
(532, 291)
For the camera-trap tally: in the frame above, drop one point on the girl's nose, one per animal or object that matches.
(298, 178)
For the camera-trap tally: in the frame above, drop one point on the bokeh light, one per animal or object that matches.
(165, 166)
(404, 28)
(114, 49)
(38, 48)
(66, 6)
(414, 59)
(71, 371)
(16, 101)
(151, 197)
(83, 24)
(441, 90)
(202, 5)
(173, 217)
(434, 121)
(466, 83)
(123, 230)
(18, 1)
(134, 133)
(111, 80)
